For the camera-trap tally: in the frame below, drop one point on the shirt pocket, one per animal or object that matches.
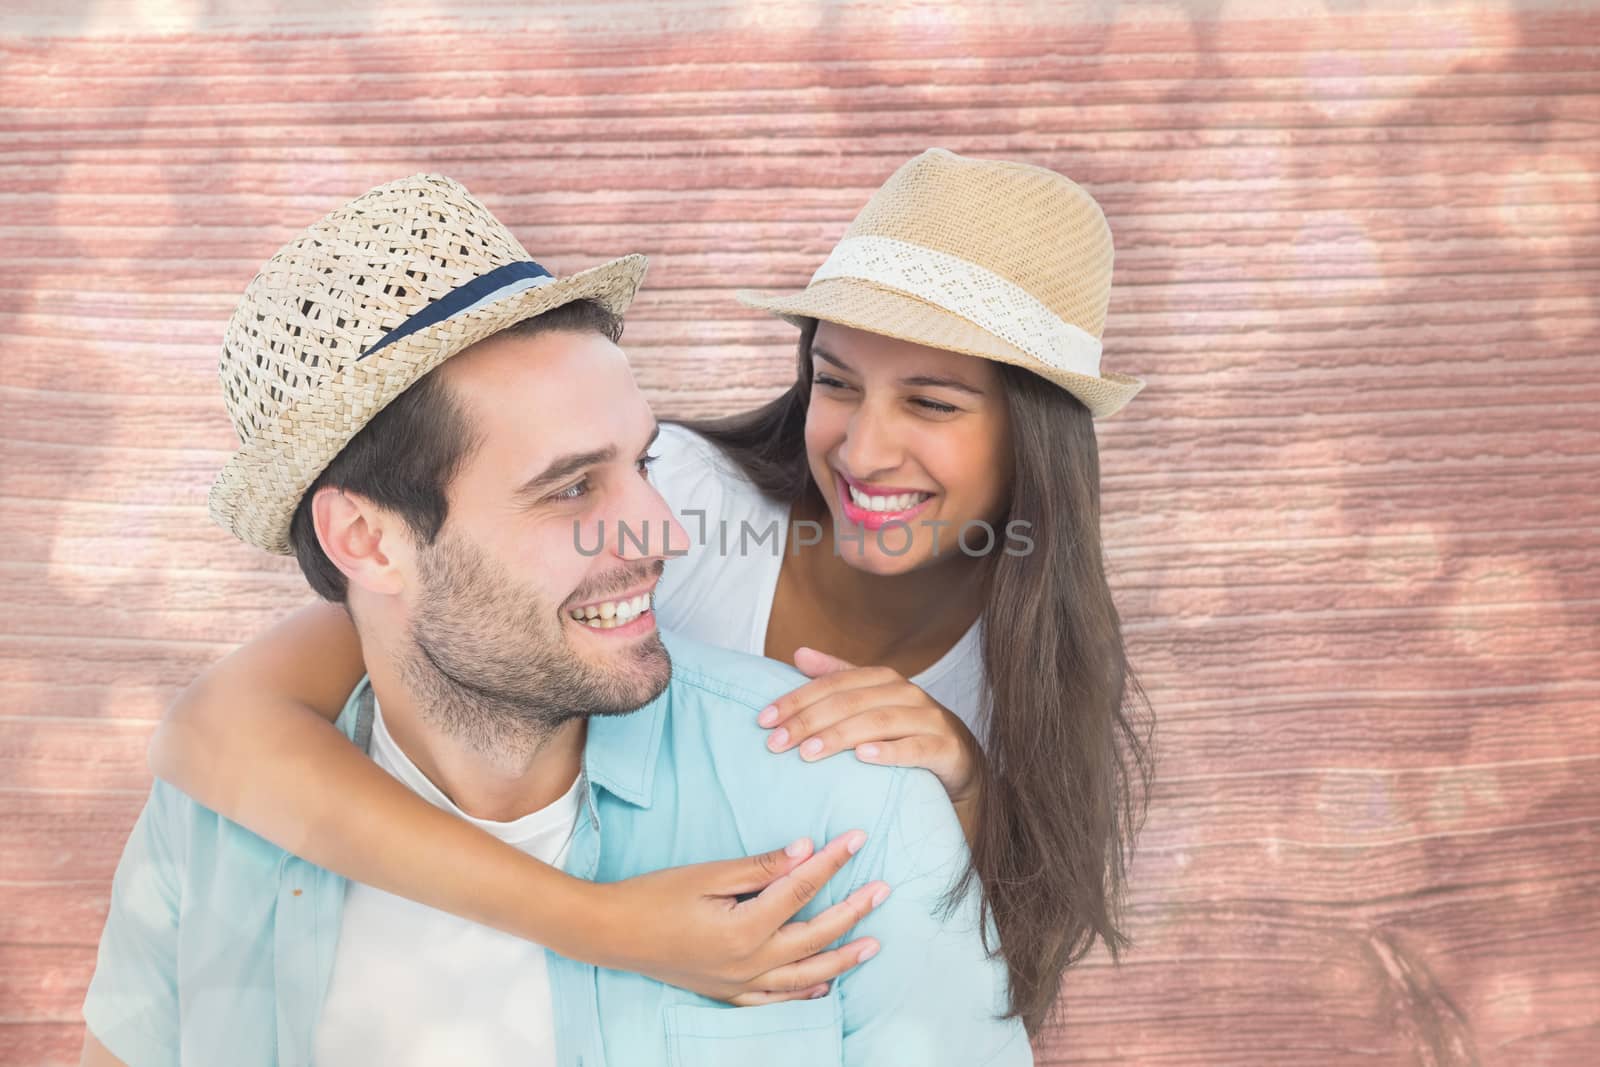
(796, 1033)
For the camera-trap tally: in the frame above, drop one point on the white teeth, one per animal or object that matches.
(902, 502)
(612, 613)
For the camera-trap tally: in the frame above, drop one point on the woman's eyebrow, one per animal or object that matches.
(926, 381)
(919, 381)
(829, 357)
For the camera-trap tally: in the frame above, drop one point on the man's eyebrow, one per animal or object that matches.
(563, 467)
(922, 381)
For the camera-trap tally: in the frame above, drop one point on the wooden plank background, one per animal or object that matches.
(1352, 520)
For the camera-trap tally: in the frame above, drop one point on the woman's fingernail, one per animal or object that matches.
(867, 751)
(798, 848)
(777, 739)
(867, 953)
(880, 896)
(854, 842)
(768, 716)
(819, 992)
(811, 747)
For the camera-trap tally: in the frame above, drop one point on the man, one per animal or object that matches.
(436, 427)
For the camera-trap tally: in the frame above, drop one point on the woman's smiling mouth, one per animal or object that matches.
(875, 506)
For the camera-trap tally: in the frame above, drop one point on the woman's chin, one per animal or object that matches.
(873, 562)
(871, 558)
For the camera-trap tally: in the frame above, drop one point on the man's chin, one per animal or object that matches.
(634, 677)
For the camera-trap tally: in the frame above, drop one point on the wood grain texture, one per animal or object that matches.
(1352, 521)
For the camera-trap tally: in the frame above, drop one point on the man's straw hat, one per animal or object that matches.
(999, 260)
(350, 314)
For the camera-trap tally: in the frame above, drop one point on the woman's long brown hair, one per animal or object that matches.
(1066, 728)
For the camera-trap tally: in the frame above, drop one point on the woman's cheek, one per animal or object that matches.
(972, 477)
(822, 434)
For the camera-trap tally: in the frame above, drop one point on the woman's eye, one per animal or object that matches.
(934, 405)
(645, 463)
(824, 380)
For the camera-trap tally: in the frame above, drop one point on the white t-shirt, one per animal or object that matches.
(721, 591)
(415, 986)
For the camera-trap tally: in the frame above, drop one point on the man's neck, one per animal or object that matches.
(498, 779)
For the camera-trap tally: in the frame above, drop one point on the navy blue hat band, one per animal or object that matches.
(488, 288)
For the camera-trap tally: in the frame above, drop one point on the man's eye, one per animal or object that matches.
(572, 492)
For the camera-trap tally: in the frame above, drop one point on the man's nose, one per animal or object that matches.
(647, 528)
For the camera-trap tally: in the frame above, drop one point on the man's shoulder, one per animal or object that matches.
(717, 694)
(202, 843)
(734, 678)
(201, 837)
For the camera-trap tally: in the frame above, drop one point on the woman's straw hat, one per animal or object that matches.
(999, 260)
(351, 314)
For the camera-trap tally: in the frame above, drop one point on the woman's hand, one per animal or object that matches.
(881, 715)
(689, 927)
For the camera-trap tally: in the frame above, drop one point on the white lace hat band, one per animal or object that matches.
(971, 291)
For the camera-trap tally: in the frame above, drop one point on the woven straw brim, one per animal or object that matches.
(864, 306)
(258, 490)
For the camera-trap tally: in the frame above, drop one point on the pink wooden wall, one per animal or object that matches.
(1353, 518)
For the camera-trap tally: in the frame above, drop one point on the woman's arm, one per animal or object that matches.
(97, 1055)
(253, 739)
(230, 739)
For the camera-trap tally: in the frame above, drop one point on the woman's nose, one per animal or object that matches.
(869, 446)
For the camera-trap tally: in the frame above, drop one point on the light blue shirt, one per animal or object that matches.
(219, 946)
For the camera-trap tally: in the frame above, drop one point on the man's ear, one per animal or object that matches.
(369, 545)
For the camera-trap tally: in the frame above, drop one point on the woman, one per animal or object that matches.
(931, 480)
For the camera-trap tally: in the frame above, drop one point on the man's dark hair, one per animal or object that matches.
(405, 458)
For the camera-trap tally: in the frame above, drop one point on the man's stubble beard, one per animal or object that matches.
(489, 664)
